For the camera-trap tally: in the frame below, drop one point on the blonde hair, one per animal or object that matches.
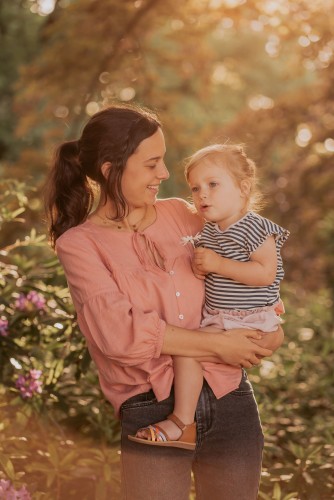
(240, 167)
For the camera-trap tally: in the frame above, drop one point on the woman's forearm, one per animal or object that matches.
(232, 347)
(183, 342)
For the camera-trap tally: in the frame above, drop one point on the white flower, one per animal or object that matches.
(190, 239)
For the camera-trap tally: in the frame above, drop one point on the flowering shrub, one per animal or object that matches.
(43, 355)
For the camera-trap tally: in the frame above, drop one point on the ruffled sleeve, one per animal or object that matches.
(127, 334)
(258, 229)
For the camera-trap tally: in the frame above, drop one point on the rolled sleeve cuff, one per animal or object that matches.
(161, 329)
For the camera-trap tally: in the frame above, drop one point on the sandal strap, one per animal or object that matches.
(157, 433)
(161, 433)
(177, 421)
(188, 431)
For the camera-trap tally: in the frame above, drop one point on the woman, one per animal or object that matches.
(138, 303)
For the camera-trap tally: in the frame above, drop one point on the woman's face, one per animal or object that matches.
(144, 171)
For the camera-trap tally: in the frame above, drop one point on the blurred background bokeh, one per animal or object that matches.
(257, 72)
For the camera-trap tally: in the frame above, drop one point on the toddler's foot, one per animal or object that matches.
(171, 429)
(170, 432)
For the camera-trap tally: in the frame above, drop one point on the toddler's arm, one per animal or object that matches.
(259, 271)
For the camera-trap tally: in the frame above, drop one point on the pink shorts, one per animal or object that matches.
(261, 318)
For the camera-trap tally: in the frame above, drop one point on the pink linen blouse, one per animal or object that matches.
(123, 300)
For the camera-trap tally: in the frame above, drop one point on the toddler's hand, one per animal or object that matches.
(197, 273)
(206, 260)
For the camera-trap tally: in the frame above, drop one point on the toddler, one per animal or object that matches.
(238, 255)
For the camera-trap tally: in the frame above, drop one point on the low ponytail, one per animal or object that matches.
(68, 194)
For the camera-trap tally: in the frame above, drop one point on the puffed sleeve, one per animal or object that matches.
(124, 333)
(257, 229)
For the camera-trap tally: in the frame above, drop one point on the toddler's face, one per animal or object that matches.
(216, 195)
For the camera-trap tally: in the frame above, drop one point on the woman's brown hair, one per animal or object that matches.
(111, 135)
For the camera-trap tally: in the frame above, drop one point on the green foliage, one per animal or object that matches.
(149, 51)
(295, 390)
(18, 38)
(39, 332)
(54, 461)
(48, 422)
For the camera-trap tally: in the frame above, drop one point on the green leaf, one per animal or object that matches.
(69, 459)
(107, 472)
(51, 477)
(17, 212)
(277, 492)
(8, 466)
(54, 458)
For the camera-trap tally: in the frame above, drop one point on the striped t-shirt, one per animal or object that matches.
(238, 242)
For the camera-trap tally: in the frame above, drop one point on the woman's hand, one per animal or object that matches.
(272, 340)
(238, 347)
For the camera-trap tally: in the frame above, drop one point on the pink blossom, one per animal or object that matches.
(37, 299)
(8, 492)
(30, 302)
(35, 374)
(29, 384)
(3, 327)
(21, 302)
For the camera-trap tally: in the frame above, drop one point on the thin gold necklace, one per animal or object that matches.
(109, 222)
(135, 227)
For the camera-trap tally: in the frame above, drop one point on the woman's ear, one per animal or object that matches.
(105, 169)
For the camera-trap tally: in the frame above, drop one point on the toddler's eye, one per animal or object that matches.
(213, 184)
(194, 189)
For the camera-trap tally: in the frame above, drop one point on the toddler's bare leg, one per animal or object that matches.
(188, 382)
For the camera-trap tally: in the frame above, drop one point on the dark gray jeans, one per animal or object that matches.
(226, 463)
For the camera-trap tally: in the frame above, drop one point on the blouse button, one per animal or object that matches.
(178, 294)
(181, 316)
(171, 273)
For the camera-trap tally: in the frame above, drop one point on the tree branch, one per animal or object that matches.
(111, 56)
